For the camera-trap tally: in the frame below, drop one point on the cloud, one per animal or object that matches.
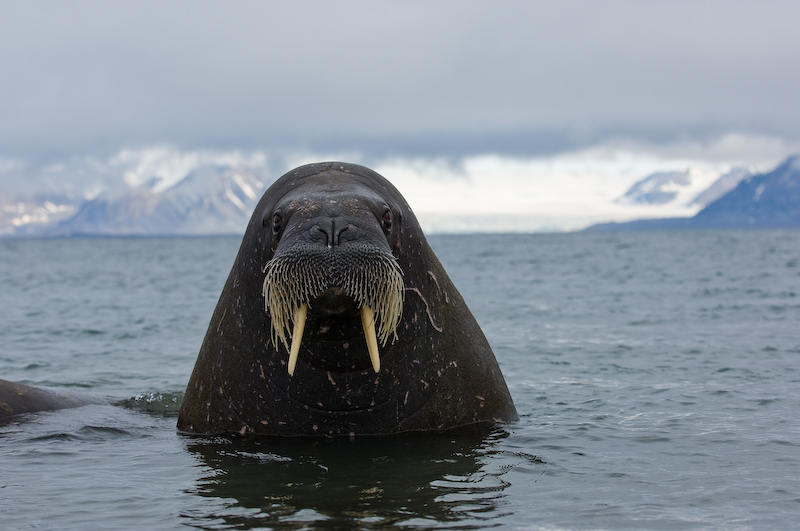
(406, 78)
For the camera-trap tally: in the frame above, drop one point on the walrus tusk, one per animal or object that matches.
(368, 322)
(297, 335)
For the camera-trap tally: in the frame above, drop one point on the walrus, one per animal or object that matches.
(338, 319)
(17, 399)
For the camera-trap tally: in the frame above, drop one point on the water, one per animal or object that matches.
(656, 376)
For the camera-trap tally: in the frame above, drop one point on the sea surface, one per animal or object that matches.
(657, 377)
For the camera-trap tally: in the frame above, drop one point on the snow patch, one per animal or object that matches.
(232, 197)
(758, 192)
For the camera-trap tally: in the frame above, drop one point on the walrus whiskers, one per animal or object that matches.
(372, 278)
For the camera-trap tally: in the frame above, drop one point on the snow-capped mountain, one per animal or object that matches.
(152, 191)
(210, 200)
(26, 214)
(766, 200)
(689, 187)
(769, 200)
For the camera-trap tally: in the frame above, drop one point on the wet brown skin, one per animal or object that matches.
(439, 373)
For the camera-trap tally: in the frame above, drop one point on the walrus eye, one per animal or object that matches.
(277, 221)
(387, 221)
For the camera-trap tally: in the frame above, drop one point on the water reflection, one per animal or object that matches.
(409, 480)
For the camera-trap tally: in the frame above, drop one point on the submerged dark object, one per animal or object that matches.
(16, 399)
(363, 331)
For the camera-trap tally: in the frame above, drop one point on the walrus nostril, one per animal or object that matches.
(331, 231)
(325, 234)
(338, 235)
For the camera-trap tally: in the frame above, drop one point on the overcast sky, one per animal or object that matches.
(407, 78)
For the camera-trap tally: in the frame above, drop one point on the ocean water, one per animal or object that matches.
(657, 377)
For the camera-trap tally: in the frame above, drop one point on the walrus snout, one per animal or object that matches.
(332, 257)
(356, 277)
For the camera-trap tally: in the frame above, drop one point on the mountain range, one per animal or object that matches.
(210, 200)
(154, 193)
(165, 192)
(689, 187)
(766, 200)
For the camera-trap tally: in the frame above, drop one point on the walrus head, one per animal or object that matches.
(332, 256)
(336, 257)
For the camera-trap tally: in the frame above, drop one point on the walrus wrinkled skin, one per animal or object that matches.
(434, 368)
